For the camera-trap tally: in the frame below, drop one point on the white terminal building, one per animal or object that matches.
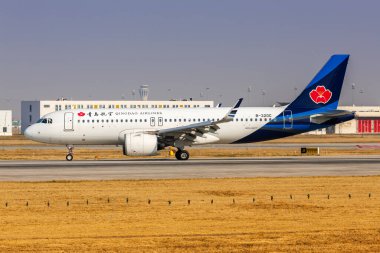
(366, 121)
(5, 123)
(31, 111)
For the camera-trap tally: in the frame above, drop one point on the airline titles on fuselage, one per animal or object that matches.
(102, 114)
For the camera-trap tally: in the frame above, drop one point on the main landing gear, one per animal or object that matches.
(182, 154)
(70, 156)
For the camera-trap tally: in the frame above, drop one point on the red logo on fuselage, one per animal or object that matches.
(81, 114)
(320, 95)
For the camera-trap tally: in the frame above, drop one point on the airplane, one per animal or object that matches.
(142, 132)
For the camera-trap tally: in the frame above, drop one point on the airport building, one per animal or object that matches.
(367, 121)
(5, 123)
(31, 111)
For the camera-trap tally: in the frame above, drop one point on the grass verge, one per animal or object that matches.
(315, 214)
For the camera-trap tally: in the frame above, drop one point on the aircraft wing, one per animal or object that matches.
(202, 127)
(323, 117)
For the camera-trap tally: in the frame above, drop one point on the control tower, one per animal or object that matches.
(144, 91)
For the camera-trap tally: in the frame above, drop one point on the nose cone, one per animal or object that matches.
(30, 132)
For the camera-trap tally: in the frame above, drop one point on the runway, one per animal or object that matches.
(194, 168)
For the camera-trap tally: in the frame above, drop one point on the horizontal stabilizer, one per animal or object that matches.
(323, 117)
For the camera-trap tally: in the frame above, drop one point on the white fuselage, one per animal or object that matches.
(106, 126)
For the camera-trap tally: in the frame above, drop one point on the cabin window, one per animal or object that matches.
(140, 120)
(145, 120)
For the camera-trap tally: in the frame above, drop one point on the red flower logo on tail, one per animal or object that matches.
(81, 114)
(320, 95)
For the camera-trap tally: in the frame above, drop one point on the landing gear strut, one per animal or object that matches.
(69, 156)
(182, 154)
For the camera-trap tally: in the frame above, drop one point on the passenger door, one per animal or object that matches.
(288, 119)
(69, 121)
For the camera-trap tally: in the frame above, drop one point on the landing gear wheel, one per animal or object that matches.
(182, 154)
(69, 157)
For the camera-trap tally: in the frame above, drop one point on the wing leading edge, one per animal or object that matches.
(202, 127)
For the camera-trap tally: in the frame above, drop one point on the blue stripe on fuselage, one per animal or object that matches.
(275, 129)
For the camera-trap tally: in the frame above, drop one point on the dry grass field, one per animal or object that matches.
(224, 215)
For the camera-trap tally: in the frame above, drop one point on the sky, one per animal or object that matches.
(103, 50)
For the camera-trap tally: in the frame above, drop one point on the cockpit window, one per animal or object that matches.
(45, 121)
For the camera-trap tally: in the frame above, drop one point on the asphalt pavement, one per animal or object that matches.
(193, 168)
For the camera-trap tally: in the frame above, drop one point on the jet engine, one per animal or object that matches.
(140, 144)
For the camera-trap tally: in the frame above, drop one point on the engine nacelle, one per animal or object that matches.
(140, 144)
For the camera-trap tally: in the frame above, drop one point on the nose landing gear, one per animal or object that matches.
(182, 154)
(69, 156)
